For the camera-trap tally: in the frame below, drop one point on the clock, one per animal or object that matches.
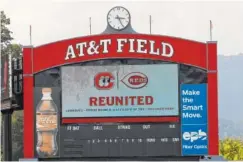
(118, 18)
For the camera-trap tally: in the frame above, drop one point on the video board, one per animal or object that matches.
(120, 90)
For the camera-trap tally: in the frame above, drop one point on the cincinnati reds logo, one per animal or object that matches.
(104, 81)
(135, 80)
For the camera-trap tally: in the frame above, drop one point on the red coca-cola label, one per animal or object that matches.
(46, 122)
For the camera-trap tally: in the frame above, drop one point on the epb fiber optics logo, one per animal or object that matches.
(194, 136)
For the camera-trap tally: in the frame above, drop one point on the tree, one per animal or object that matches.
(14, 49)
(5, 32)
(231, 149)
(6, 46)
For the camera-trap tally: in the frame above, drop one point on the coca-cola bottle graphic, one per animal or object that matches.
(46, 125)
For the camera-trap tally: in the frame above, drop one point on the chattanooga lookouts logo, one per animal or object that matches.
(104, 81)
(135, 80)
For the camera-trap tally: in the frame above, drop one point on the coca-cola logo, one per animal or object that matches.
(47, 120)
(135, 80)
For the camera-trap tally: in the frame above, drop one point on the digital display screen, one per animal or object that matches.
(120, 90)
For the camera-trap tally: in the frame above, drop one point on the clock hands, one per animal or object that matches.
(121, 22)
(119, 18)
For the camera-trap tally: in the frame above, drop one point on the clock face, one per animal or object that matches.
(118, 18)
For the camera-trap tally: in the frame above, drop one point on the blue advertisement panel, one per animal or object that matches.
(194, 140)
(121, 90)
(194, 103)
(194, 119)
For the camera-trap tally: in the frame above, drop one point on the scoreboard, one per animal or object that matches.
(115, 102)
(120, 140)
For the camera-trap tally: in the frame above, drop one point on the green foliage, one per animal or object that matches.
(6, 46)
(17, 135)
(5, 32)
(14, 49)
(231, 149)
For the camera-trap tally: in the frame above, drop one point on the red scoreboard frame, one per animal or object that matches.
(198, 54)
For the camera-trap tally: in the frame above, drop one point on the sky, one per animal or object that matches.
(54, 20)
